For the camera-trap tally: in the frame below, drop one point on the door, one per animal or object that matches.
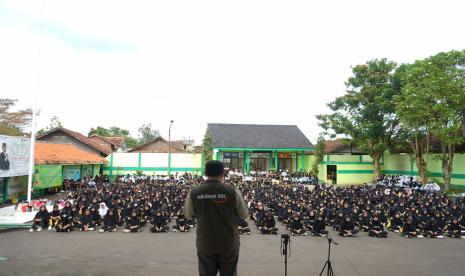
(331, 173)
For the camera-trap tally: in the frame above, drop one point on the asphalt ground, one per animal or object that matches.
(146, 253)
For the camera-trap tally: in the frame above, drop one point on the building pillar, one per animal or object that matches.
(296, 161)
(276, 161)
(169, 164)
(303, 161)
(111, 167)
(270, 162)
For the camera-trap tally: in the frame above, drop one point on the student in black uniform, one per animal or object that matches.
(319, 226)
(453, 229)
(338, 221)
(395, 223)
(159, 223)
(41, 220)
(119, 216)
(181, 224)
(297, 227)
(348, 228)
(376, 228)
(54, 217)
(86, 223)
(269, 225)
(109, 222)
(409, 229)
(146, 215)
(65, 223)
(432, 230)
(133, 225)
(364, 222)
(243, 227)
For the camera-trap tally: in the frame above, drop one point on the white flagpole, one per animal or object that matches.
(34, 112)
(31, 152)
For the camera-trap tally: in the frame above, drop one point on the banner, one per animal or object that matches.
(47, 176)
(14, 156)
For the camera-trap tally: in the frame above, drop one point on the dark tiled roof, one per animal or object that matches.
(258, 136)
(163, 149)
(80, 137)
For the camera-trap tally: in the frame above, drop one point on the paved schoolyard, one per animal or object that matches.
(78, 253)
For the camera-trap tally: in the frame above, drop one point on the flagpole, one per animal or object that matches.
(34, 110)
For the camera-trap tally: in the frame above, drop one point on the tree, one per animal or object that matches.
(13, 122)
(318, 153)
(54, 123)
(415, 111)
(366, 113)
(443, 76)
(131, 142)
(207, 146)
(147, 133)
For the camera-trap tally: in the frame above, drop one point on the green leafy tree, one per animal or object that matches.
(13, 122)
(147, 133)
(54, 123)
(415, 111)
(318, 153)
(207, 146)
(443, 77)
(366, 113)
(131, 142)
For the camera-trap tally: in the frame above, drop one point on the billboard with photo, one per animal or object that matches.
(14, 156)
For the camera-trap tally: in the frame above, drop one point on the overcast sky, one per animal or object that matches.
(113, 63)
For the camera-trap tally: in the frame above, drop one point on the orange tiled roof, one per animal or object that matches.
(54, 153)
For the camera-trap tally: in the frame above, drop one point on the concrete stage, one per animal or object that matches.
(78, 253)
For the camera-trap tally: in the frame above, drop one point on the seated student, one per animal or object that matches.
(133, 225)
(119, 216)
(338, 221)
(453, 229)
(54, 217)
(297, 227)
(86, 223)
(95, 216)
(319, 226)
(41, 220)
(282, 213)
(287, 219)
(348, 228)
(181, 224)
(409, 229)
(364, 221)
(432, 230)
(109, 222)
(395, 223)
(159, 223)
(65, 224)
(146, 215)
(269, 225)
(243, 227)
(102, 211)
(311, 218)
(376, 228)
(259, 216)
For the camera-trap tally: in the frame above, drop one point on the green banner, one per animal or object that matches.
(46, 176)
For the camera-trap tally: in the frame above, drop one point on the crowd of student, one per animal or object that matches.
(133, 202)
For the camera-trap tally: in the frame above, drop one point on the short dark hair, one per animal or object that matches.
(3, 144)
(214, 168)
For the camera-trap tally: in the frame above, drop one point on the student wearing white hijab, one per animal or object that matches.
(103, 210)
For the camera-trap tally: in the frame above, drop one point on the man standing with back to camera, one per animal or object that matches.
(217, 207)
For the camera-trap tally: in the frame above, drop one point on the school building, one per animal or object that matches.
(260, 147)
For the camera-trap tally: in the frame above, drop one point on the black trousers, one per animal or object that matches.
(210, 264)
